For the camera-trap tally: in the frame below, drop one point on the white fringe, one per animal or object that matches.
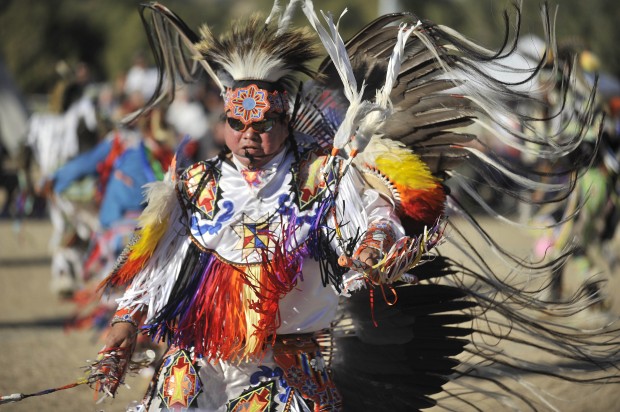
(152, 286)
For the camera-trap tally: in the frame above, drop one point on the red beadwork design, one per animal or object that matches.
(248, 104)
(251, 103)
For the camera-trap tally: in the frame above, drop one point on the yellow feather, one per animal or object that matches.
(405, 168)
(149, 238)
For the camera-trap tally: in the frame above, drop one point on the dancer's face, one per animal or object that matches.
(256, 144)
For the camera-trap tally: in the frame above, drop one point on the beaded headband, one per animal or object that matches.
(250, 103)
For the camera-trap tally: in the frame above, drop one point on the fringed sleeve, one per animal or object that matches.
(368, 218)
(358, 206)
(151, 286)
(150, 263)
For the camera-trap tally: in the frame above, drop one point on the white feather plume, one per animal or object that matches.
(257, 64)
(383, 95)
(335, 47)
(372, 122)
(161, 198)
(275, 10)
(287, 16)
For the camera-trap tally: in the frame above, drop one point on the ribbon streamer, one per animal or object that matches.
(16, 397)
(97, 375)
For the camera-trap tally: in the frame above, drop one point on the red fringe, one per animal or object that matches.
(216, 325)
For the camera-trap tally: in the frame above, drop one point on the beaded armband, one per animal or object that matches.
(125, 316)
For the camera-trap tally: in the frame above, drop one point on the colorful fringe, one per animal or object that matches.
(140, 250)
(223, 310)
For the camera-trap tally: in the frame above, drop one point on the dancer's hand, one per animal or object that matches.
(122, 335)
(368, 255)
(108, 372)
(362, 261)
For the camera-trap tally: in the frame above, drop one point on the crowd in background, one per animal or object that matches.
(81, 165)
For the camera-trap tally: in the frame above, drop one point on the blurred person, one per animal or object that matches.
(53, 139)
(588, 208)
(140, 78)
(123, 162)
(128, 158)
(591, 203)
(9, 182)
(108, 102)
(611, 158)
(13, 127)
(212, 101)
(188, 117)
(13, 113)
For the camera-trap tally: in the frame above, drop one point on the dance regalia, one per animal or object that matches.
(233, 267)
(54, 140)
(247, 261)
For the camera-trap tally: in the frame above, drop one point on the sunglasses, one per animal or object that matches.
(260, 127)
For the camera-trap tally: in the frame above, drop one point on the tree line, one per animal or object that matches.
(36, 34)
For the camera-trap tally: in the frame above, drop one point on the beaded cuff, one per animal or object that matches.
(125, 316)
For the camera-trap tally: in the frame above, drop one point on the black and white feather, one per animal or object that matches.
(451, 104)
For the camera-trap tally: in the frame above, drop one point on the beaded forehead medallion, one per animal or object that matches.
(250, 103)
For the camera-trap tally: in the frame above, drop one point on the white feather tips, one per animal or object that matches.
(372, 122)
(334, 45)
(383, 95)
(257, 64)
(363, 119)
(275, 10)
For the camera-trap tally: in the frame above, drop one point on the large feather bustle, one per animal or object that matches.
(449, 93)
(437, 56)
(443, 86)
(253, 50)
(375, 119)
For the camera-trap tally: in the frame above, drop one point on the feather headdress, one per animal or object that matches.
(267, 52)
(259, 50)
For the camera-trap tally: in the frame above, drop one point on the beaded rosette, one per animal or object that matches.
(250, 103)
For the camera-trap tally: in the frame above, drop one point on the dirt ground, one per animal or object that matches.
(36, 353)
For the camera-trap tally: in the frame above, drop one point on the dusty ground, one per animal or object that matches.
(36, 353)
